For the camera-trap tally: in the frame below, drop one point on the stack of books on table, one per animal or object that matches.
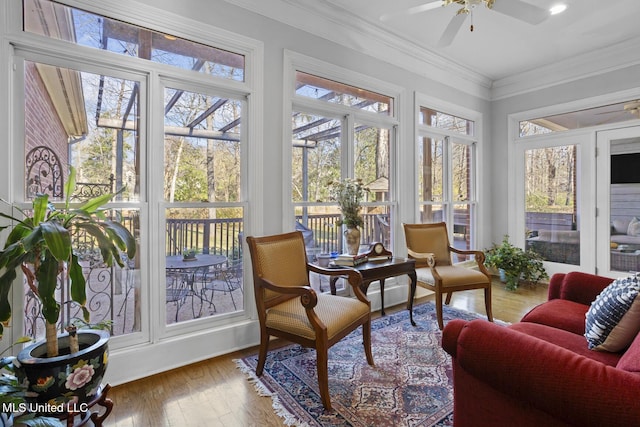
(350, 260)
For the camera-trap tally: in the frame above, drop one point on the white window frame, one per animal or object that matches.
(293, 62)
(450, 137)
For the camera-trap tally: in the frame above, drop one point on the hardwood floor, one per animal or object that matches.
(215, 393)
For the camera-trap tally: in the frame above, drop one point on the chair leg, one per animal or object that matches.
(262, 352)
(448, 299)
(487, 303)
(230, 289)
(439, 309)
(323, 376)
(366, 340)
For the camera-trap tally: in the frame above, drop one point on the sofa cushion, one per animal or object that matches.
(559, 313)
(620, 226)
(565, 339)
(634, 227)
(613, 320)
(630, 360)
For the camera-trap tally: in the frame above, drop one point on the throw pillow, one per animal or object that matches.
(613, 320)
(621, 226)
(634, 227)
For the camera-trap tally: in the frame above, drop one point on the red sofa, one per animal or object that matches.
(540, 372)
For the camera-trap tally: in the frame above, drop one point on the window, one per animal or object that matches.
(605, 114)
(88, 121)
(340, 131)
(76, 26)
(92, 114)
(449, 122)
(202, 188)
(446, 154)
(551, 208)
(327, 90)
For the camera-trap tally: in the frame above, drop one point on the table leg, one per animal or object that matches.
(412, 294)
(382, 297)
(332, 284)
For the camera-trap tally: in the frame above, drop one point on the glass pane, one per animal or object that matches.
(613, 113)
(316, 151)
(372, 164)
(204, 270)
(76, 26)
(372, 167)
(339, 93)
(461, 171)
(86, 120)
(462, 229)
(438, 119)
(113, 292)
(430, 172)
(431, 213)
(551, 220)
(202, 147)
(625, 205)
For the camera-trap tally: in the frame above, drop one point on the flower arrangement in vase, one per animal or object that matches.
(349, 193)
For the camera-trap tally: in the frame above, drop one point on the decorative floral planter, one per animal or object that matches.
(65, 379)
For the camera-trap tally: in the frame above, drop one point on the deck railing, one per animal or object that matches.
(223, 236)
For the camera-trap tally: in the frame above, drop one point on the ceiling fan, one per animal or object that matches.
(515, 8)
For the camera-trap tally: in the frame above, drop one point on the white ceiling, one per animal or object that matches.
(502, 46)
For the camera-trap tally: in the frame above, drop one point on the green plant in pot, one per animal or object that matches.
(67, 367)
(516, 263)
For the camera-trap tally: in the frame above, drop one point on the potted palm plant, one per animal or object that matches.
(66, 367)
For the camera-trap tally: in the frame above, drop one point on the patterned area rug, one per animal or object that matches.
(410, 384)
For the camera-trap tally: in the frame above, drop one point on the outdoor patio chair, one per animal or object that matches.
(225, 279)
(177, 291)
(289, 308)
(429, 245)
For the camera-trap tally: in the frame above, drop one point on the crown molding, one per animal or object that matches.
(619, 56)
(323, 19)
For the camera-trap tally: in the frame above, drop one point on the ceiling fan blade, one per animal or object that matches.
(434, 4)
(452, 30)
(520, 10)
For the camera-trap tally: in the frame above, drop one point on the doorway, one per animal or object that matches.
(618, 201)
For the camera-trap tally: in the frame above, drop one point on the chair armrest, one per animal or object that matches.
(552, 379)
(307, 295)
(478, 255)
(354, 278)
(479, 258)
(427, 257)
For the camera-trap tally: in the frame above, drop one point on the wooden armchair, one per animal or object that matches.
(289, 308)
(429, 245)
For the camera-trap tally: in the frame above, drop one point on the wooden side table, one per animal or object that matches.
(381, 270)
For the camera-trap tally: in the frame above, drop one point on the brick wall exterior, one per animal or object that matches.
(42, 124)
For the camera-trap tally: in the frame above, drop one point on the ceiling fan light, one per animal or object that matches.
(558, 8)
